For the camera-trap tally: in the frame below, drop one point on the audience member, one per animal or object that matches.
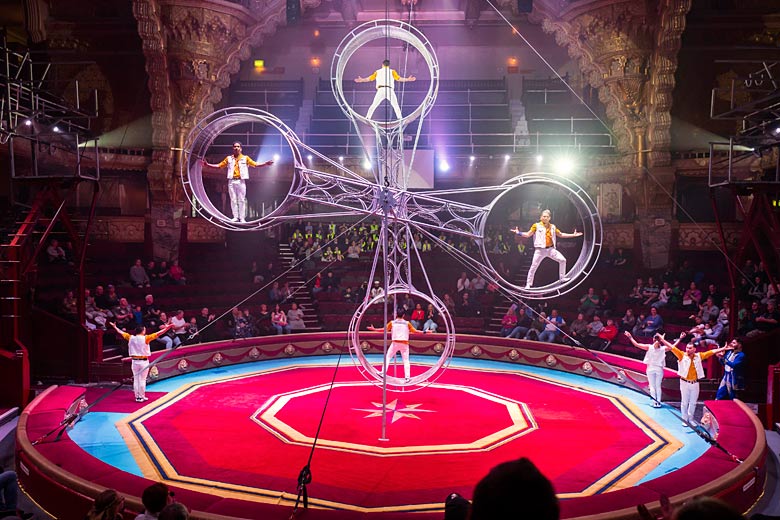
(579, 328)
(295, 318)
(650, 291)
(163, 273)
(706, 508)
(70, 305)
(431, 317)
(604, 336)
(205, 332)
(179, 326)
(523, 326)
(508, 322)
(109, 505)
(456, 507)
(635, 295)
(123, 314)
(417, 317)
(552, 328)
(652, 324)
(9, 493)
(515, 489)
(263, 322)
(151, 313)
(167, 337)
(177, 274)
(279, 320)
(691, 297)
(628, 321)
(663, 296)
(174, 511)
(55, 253)
(154, 498)
(589, 302)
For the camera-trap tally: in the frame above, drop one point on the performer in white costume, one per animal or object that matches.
(399, 330)
(385, 79)
(139, 351)
(655, 359)
(545, 238)
(237, 174)
(691, 371)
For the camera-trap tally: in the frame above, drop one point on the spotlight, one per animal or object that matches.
(564, 165)
(341, 158)
(506, 157)
(472, 158)
(27, 122)
(56, 129)
(276, 157)
(366, 164)
(539, 159)
(309, 157)
(444, 165)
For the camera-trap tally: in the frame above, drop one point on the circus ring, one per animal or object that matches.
(229, 425)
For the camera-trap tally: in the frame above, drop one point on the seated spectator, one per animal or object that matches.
(330, 283)
(177, 274)
(628, 321)
(463, 283)
(377, 292)
(449, 304)
(712, 292)
(179, 326)
(468, 308)
(263, 321)
(164, 273)
(123, 315)
(174, 511)
(138, 316)
(713, 330)
(676, 295)
(552, 328)
(279, 320)
(350, 295)
(758, 290)
(275, 294)
(706, 508)
(317, 284)
(295, 318)
(168, 338)
(205, 329)
(620, 258)
(55, 253)
(109, 505)
(691, 297)
(663, 297)
(650, 291)
(594, 327)
(431, 317)
(604, 337)
(417, 317)
(152, 271)
(93, 314)
(635, 294)
(579, 328)
(242, 327)
(70, 305)
(112, 298)
(537, 327)
(524, 323)
(154, 499)
(771, 294)
(138, 275)
(456, 507)
(478, 284)
(606, 305)
(708, 310)
(515, 490)
(652, 324)
(192, 327)
(353, 251)
(407, 304)
(151, 313)
(589, 302)
(101, 298)
(769, 319)
(9, 492)
(508, 322)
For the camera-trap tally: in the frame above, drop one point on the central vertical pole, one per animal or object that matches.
(385, 223)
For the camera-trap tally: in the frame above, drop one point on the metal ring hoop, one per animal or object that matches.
(375, 30)
(197, 144)
(592, 234)
(421, 380)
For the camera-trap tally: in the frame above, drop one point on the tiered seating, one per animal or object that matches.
(468, 117)
(559, 118)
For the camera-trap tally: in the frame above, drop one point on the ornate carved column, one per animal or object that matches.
(192, 47)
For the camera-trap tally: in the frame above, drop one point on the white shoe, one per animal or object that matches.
(234, 219)
(407, 379)
(243, 221)
(144, 398)
(139, 399)
(527, 286)
(566, 279)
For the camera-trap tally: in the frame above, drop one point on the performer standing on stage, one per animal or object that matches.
(237, 174)
(733, 372)
(385, 79)
(139, 351)
(400, 330)
(655, 359)
(545, 237)
(691, 371)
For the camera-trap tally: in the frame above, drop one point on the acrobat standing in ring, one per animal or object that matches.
(385, 79)
(545, 239)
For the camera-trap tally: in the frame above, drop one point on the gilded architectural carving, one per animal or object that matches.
(705, 236)
(202, 231)
(619, 235)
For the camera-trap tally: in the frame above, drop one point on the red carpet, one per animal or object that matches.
(250, 436)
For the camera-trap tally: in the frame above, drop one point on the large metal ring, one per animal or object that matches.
(376, 30)
(197, 145)
(428, 376)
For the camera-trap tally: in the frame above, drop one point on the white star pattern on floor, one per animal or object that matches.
(395, 410)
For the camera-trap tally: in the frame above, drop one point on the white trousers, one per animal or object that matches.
(384, 93)
(655, 375)
(140, 372)
(403, 348)
(539, 255)
(237, 191)
(689, 396)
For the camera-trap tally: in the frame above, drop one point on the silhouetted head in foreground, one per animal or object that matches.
(515, 490)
